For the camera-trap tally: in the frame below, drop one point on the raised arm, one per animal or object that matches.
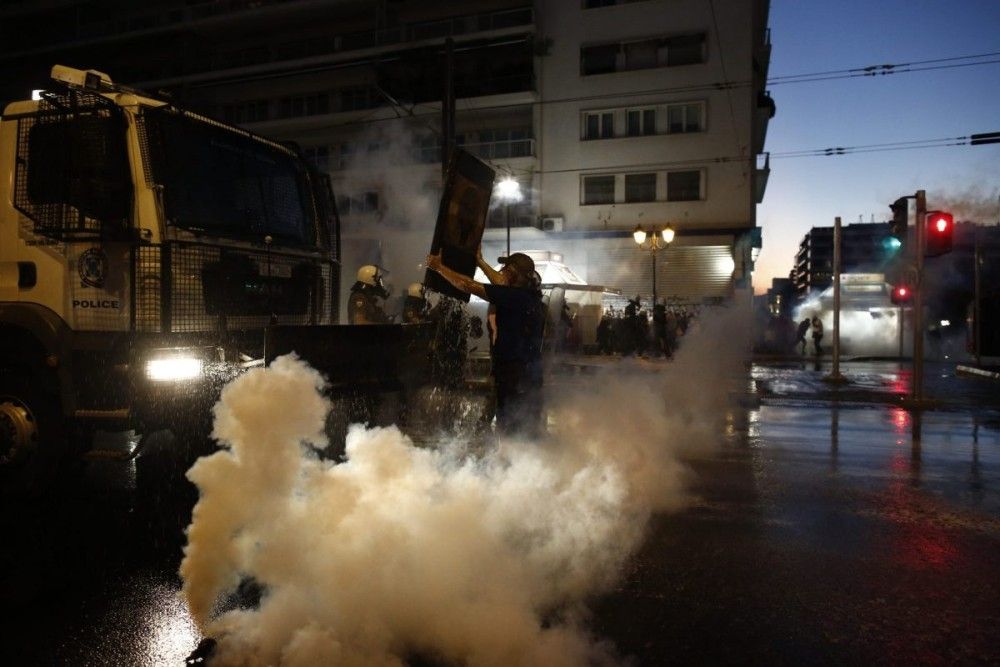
(494, 276)
(458, 280)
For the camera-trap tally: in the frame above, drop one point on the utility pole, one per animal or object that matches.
(977, 257)
(448, 107)
(835, 375)
(918, 298)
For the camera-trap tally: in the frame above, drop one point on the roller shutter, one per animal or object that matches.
(685, 272)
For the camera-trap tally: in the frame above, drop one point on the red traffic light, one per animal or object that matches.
(940, 229)
(901, 295)
(941, 222)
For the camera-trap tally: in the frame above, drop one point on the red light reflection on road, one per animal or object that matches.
(918, 541)
(899, 381)
(901, 421)
(900, 463)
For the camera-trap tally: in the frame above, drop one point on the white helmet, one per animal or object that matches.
(416, 290)
(369, 275)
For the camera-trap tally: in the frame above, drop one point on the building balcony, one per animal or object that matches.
(760, 175)
(763, 113)
(490, 150)
(520, 215)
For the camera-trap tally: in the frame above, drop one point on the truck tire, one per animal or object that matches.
(33, 435)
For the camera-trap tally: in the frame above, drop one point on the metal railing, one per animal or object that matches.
(487, 150)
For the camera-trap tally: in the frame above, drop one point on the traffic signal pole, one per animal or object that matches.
(835, 375)
(918, 297)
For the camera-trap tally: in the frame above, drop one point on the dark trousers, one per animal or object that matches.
(519, 399)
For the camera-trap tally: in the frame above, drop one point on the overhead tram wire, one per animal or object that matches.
(856, 72)
(811, 77)
(943, 142)
(872, 70)
(875, 70)
(845, 150)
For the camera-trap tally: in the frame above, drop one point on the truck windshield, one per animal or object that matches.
(219, 180)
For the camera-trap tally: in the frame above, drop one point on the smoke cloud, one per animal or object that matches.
(409, 196)
(866, 332)
(976, 203)
(448, 553)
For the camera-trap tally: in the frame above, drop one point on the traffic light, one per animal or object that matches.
(901, 295)
(897, 226)
(940, 228)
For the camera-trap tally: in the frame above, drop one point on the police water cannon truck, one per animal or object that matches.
(144, 251)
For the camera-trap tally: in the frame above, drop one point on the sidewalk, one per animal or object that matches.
(802, 378)
(872, 381)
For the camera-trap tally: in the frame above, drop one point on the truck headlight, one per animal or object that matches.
(174, 369)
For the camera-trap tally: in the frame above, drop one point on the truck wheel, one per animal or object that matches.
(32, 436)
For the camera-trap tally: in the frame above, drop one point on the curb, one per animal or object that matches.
(977, 372)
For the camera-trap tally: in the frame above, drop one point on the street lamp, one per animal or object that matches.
(653, 242)
(508, 191)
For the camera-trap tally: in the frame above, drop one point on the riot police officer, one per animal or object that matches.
(368, 296)
(415, 308)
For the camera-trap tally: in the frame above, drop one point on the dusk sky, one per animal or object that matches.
(812, 36)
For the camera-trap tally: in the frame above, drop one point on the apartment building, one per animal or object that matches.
(611, 114)
(863, 249)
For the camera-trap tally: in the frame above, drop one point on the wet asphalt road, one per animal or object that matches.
(822, 533)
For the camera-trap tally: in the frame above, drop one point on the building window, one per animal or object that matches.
(641, 55)
(601, 59)
(598, 190)
(685, 50)
(599, 125)
(319, 156)
(640, 121)
(683, 185)
(344, 155)
(304, 105)
(685, 118)
(355, 98)
(640, 187)
(366, 202)
(245, 112)
(644, 54)
(427, 150)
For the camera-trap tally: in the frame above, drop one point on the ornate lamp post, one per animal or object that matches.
(653, 242)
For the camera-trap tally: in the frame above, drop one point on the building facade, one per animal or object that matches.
(611, 114)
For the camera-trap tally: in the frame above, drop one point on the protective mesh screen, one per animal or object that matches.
(72, 176)
(191, 287)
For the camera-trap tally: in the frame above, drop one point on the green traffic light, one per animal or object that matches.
(892, 243)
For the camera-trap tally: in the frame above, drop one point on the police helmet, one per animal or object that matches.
(369, 275)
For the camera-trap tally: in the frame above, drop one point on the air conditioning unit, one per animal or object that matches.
(551, 224)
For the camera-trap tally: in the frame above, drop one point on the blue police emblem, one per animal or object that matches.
(93, 267)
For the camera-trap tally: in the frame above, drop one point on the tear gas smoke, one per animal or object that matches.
(407, 204)
(862, 332)
(973, 204)
(466, 558)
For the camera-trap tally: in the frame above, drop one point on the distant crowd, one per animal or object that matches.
(633, 330)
